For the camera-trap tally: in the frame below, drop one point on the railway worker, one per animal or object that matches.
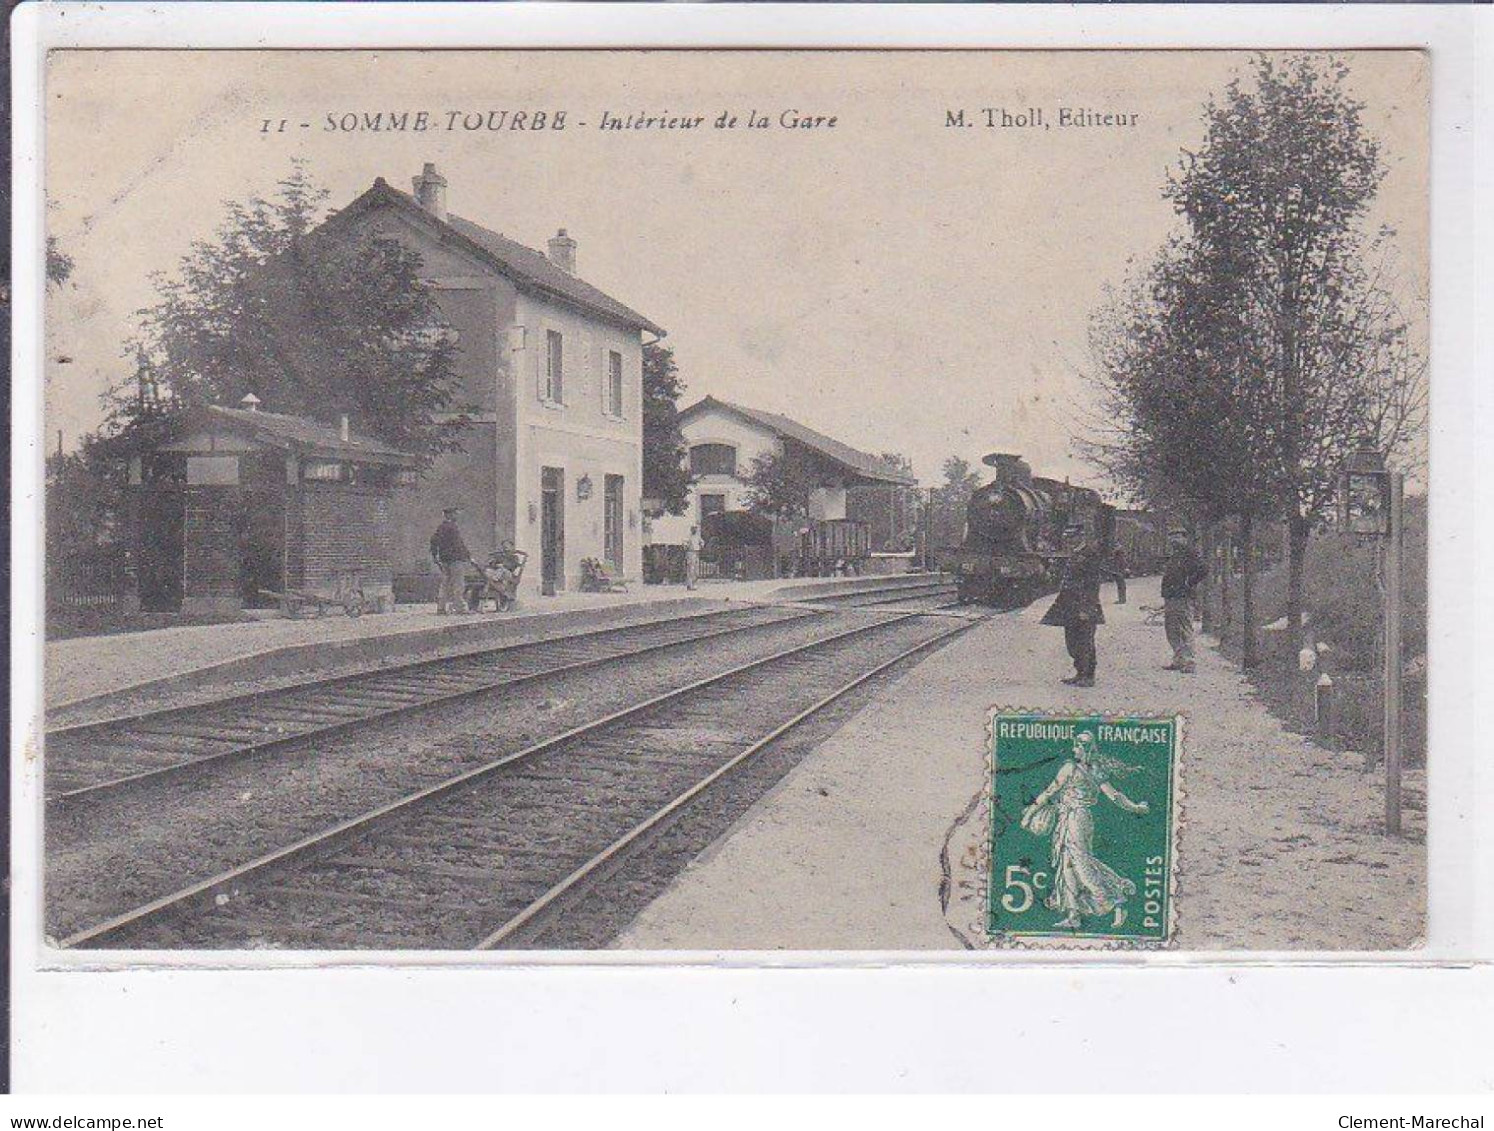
(1180, 579)
(452, 558)
(1077, 610)
(1118, 574)
(693, 546)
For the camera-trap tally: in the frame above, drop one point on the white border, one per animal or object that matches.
(857, 1022)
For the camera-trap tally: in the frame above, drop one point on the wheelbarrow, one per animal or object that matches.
(347, 597)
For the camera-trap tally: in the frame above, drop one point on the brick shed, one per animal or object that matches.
(248, 501)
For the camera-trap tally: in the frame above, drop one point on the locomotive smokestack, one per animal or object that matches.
(1010, 468)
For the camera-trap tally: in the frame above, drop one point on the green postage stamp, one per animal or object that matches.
(1082, 826)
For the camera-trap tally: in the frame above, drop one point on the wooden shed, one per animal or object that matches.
(247, 503)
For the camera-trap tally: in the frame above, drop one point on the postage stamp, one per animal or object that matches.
(1083, 815)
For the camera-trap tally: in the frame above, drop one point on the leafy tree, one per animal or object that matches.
(780, 483)
(951, 500)
(312, 323)
(892, 511)
(1257, 350)
(666, 471)
(1179, 403)
(1276, 199)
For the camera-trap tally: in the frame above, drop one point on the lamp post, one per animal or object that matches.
(1371, 500)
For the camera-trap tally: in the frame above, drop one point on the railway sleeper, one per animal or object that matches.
(444, 871)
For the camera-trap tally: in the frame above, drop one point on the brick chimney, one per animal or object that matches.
(342, 428)
(563, 252)
(430, 191)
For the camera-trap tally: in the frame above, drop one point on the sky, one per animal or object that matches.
(900, 283)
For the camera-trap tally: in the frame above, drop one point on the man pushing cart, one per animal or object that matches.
(498, 580)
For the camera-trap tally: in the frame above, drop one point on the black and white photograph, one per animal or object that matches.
(594, 501)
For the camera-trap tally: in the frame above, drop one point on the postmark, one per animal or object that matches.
(1082, 826)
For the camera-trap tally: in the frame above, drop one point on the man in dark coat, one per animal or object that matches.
(1077, 609)
(452, 557)
(1180, 578)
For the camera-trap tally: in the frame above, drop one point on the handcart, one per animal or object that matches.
(497, 582)
(347, 596)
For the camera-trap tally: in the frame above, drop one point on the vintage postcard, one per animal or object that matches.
(595, 500)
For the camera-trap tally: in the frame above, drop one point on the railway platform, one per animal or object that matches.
(1280, 846)
(101, 674)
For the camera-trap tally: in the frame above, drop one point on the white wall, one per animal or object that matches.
(716, 426)
(577, 436)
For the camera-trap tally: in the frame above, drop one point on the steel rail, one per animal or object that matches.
(364, 821)
(894, 597)
(165, 714)
(669, 811)
(370, 717)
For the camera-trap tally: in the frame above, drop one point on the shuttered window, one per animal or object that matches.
(554, 390)
(614, 399)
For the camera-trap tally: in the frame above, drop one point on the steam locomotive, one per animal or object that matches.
(1015, 533)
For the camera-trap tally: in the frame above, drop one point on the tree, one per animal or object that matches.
(1276, 198)
(1257, 349)
(898, 508)
(666, 471)
(950, 501)
(311, 323)
(1180, 405)
(780, 483)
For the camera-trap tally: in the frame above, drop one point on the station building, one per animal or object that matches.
(554, 457)
(247, 504)
(724, 439)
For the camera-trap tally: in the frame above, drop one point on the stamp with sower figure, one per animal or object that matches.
(1083, 816)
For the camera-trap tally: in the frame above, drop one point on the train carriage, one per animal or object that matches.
(831, 546)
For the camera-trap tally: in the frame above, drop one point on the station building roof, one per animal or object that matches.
(525, 266)
(862, 465)
(290, 433)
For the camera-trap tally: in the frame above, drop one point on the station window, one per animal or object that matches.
(554, 367)
(614, 383)
(713, 459)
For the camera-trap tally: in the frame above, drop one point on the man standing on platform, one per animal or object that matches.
(452, 557)
(1180, 578)
(1077, 607)
(693, 546)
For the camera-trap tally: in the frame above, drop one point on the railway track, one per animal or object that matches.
(881, 599)
(88, 761)
(493, 857)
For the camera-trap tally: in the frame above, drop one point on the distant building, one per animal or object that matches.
(723, 440)
(554, 460)
(246, 502)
